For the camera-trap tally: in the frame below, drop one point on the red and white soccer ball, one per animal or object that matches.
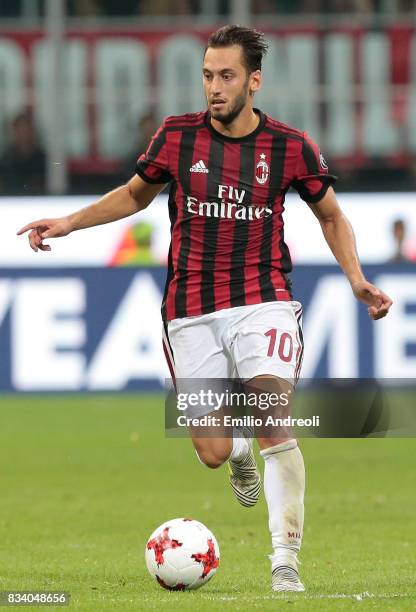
(182, 554)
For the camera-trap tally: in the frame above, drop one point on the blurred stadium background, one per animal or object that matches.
(84, 84)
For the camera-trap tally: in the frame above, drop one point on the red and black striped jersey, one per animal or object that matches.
(225, 204)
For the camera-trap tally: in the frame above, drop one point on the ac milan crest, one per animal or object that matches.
(262, 170)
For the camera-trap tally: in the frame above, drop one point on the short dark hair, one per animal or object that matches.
(252, 42)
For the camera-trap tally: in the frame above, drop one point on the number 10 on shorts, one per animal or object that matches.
(285, 346)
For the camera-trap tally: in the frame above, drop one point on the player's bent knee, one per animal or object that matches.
(213, 462)
(210, 460)
(211, 457)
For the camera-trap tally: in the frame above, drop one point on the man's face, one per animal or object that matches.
(227, 84)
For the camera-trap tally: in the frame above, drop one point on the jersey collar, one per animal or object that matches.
(245, 138)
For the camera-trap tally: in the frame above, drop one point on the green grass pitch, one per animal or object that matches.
(86, 479)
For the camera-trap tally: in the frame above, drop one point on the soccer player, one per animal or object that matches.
(228, 308)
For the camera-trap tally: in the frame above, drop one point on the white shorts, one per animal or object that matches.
(241, 342)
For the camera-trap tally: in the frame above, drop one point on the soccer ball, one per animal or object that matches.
(182, 554)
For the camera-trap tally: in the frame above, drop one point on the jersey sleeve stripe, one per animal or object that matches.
(149, 167)
(309, 158)
(153, 181)
(326, 180)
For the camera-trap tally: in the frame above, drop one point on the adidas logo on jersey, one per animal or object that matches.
(199, 167)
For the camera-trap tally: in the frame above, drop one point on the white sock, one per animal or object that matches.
(284, 488)
(241, 447)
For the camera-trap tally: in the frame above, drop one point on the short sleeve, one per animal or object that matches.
(153, 166)
(312, 177)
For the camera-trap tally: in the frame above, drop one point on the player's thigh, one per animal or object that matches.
(269, 341)
(197, 349)
(201, 365)
(268, 350)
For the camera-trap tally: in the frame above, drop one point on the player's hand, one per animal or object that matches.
(45, 228)
(378, 302)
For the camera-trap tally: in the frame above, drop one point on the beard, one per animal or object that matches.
(228, 116)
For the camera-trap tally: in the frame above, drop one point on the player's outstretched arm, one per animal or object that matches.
(117, 204)
(340, 238)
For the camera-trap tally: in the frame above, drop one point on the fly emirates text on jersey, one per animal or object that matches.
(226, 209)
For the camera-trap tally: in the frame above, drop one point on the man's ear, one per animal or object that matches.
(256, 81)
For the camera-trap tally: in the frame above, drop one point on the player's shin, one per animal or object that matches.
(284, 487)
